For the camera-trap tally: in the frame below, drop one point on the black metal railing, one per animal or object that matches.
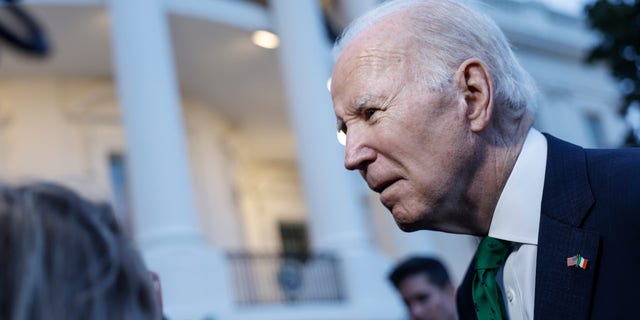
(261, 278)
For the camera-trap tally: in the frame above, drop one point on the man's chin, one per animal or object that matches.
(404, 220)
(408, 226)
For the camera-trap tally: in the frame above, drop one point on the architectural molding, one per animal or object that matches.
(5, 120)
(95, 104)
(6, 114)
(531, 26)
(241, 14)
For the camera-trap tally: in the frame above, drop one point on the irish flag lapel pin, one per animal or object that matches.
(577, 261)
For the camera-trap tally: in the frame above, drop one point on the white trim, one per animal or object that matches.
(241, 14)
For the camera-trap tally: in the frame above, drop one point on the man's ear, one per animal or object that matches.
(474, 82)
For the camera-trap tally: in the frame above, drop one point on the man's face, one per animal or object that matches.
(426, 301)
(409, 143)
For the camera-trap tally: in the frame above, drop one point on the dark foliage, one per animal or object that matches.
(619, 24)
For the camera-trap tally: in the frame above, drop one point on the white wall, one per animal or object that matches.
(269, 192)
(59, 130)
(64, 130)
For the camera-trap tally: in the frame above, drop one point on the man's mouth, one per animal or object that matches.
(381, 186)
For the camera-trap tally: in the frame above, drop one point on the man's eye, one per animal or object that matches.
(342, 128)
(423, 298)
(369, 112)
(341, 132)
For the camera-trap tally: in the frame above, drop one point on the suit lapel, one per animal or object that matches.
(562, 291)
(464, 296)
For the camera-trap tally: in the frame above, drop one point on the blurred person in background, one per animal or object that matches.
(65, 258)
(425, 288)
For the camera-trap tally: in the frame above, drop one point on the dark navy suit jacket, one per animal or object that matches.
(591, 207)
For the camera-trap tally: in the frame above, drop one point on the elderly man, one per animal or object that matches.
(437, 116)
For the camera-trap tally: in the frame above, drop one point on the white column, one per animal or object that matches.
(193, 279)
(156, 151)
(335, 198)
(356, 8)
(332, 196)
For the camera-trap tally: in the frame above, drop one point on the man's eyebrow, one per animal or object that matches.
(355, 108)
(372, 101)
(361, 103)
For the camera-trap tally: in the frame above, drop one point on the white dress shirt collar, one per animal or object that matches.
(517, 214)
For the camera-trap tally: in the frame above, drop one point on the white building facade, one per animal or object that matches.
(221, 156)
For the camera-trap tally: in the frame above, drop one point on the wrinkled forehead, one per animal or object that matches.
(373, 61)
(378, 49)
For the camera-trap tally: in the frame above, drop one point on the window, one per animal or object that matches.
(121, 203)
(294, 240)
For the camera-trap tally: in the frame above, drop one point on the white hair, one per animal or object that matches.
(448, 32)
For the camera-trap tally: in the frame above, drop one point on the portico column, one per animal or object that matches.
(150, 103)
(193, 278)
(356, 8)
(335, 198)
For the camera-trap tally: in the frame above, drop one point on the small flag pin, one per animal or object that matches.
(577, 261)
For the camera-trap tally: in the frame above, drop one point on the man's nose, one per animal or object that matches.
(416, 311)
(357, 152)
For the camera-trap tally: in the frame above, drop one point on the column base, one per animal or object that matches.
(368, 289)
(195, 281)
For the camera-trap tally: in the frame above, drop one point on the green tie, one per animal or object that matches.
(487, 297)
